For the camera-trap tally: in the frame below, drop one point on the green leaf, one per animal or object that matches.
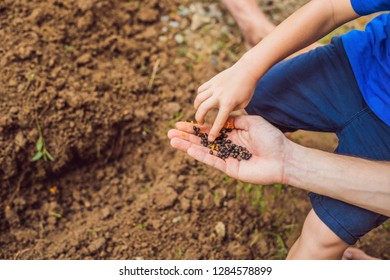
(44, 156)
(37, 156)
(40, 144)
(49, 155)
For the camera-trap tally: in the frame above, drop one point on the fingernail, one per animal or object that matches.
(211, 138)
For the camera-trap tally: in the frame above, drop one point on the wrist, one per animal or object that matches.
(248, 64)
(292, 164)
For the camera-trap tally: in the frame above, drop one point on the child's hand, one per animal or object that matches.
(266, 143)
(230, 90)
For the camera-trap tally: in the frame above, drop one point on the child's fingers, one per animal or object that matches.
(223, 115)
(184, 128)
(201, 98)
(203, 109)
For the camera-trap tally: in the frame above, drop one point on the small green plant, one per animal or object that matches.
(189, 68)
(68, 48)
(216, 196)
(32, 77)
(182, 51)
(200, 168)
(282, 251)
(180, 253)
(255, 194)
(139, 226)
(279, 187)
(228, 180)
(177, 116)
(42, 151)
(93, 230)
(56, 215)
(145, 190)
(255, 238)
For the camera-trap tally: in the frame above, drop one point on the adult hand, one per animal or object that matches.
(266, 143)
(228, 91)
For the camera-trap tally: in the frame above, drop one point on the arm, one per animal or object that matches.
(278, 160)
(356, 181)
(302, 28)
(232, 89)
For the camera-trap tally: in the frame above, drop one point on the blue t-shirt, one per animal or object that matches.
(369, 54)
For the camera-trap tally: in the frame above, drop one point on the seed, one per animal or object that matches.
(223, 146)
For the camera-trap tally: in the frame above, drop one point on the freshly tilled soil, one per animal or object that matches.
(83, 71)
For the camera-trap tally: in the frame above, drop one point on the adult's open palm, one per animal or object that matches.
(266, 143)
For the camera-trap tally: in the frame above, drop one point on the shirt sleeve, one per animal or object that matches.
(366, 7)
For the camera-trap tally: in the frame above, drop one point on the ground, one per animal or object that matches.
(102, 82)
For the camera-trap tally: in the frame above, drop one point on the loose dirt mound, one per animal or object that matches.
(104, 80)
(80, 70)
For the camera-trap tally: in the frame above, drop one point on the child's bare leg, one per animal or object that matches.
(356, 254)
(317, 241)
(253, 23)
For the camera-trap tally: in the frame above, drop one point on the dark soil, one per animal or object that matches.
(105, 80)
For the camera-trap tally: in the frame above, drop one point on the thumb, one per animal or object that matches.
(239, 122)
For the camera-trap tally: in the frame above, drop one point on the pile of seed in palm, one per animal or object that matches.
(223, 147)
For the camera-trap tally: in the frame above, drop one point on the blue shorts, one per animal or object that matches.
(317, 91)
